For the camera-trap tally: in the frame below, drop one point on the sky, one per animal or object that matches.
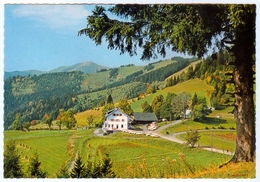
(44, 37)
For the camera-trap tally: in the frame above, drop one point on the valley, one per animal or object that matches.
(133, 156)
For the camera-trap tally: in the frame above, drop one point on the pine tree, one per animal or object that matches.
(12, 163)
(34, 170)
(191, 29)
(166, 108)
(16, 125)
(145, 106)
(63, 172)
(109, 99)
(194, 100)
(78, 170)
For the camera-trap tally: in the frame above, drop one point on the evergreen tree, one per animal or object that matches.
(194, 100)
(78, 170)
(146, 107)
(16, 125)
(12, 163)
(109, 99)
(34, 170)
(191, 29)
(63, 172)
(166, 108)
(27, 125)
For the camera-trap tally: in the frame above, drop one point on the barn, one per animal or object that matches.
(144, 118)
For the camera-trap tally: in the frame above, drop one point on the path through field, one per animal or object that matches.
(173, 138)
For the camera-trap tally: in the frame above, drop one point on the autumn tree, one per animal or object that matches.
(66, 118)
(47, 119)
(191, 29)
(125, 107)
(157, 104)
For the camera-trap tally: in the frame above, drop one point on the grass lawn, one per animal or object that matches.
(223, 140)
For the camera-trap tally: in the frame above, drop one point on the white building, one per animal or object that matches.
(116, 120)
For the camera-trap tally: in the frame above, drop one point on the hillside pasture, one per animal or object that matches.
(127, 151)
(192, 86)
(51, 147)
(82, 117)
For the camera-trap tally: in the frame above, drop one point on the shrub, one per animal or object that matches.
(192, 137)
(221, 127)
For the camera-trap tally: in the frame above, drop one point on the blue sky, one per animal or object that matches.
(44, 37)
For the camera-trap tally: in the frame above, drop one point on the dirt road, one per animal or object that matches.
(173, 138)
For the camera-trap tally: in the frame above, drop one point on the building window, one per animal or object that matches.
(112, 126)
(112, 119)
(122, 126)
(117, 126)
(117, 119)
(109, 126)
(123, 120)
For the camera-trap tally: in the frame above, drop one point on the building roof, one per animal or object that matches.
(145, 116)
(112, 111)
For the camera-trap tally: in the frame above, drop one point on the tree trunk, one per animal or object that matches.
(244, 111)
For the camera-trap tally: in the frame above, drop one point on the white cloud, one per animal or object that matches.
(53, 16)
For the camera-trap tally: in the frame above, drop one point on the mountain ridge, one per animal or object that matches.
(85, 67)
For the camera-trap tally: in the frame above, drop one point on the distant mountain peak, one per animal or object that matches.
(85, 67)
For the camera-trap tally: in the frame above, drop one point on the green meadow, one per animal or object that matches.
(127, 151)
(192, 86)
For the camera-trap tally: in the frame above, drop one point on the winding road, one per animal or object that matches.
(172, 137)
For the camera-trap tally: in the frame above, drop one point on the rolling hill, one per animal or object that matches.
(85, 67)
(66, 88)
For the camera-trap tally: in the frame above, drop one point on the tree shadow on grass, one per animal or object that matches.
(213, 121)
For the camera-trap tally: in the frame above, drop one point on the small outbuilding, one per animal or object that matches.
(144, 118)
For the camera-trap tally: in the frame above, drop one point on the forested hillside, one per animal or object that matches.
(34, 96)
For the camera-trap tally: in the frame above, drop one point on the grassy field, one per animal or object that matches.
(82, 116)
(50, 145)
(223, 140)
(192, 86)
(127, 151)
